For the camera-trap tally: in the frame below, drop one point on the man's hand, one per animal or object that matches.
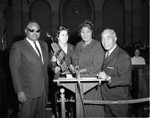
(21, 97)
(104, 77)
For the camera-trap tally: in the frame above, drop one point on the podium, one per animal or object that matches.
(81, 87)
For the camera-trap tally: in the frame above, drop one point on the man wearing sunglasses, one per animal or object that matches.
(28, 63)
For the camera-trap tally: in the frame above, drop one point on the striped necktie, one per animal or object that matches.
(107, 54)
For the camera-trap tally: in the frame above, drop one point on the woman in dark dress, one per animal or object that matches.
(89, 56)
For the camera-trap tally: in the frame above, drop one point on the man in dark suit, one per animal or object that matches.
(115, 76)
(28, 63)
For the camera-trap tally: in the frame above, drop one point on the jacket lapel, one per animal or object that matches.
(112, 56)
(31, 49)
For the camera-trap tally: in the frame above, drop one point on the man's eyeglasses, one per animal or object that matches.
(32, 30)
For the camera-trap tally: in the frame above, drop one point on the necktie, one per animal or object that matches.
(37, 50)
(107, 54)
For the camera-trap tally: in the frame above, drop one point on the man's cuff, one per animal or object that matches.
(109, 79)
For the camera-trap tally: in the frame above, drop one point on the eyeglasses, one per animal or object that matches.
(32, 30)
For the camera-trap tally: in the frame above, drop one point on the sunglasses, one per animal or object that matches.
(32, 30)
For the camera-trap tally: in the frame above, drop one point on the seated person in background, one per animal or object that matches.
(61, 59)
(137, 59)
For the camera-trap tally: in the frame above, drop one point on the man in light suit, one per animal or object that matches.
(115, 76)
(28, 63)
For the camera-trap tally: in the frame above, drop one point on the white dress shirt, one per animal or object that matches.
(110, 51)
(38, 45)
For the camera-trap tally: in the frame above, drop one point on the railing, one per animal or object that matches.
(63, 100)
(100, 102)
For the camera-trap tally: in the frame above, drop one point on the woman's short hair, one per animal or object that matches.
(88, 24)
(137, 49)
(59, 29)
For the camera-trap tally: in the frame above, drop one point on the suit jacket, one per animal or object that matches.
(28, 72)
(118, 66)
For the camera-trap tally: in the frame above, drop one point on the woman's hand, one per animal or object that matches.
(57, 69)
(53, 58)
(83, 70)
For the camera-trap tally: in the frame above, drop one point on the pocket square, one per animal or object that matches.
(110, 67)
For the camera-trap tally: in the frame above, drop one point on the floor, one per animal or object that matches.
(136, 112)
(49, 113)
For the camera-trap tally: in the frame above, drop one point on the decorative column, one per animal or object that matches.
(2, 26)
